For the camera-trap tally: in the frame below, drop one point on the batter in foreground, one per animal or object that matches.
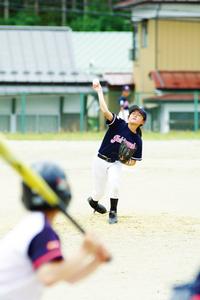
(31, 257)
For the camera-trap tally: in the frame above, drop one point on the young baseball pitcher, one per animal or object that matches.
(31, 255)
(122, 144)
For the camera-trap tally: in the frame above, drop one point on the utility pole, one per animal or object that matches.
(36, 7)
(6, 9)
(85, 5)
(25, 4)
(73, 4)
(64, 12)
(110, 5)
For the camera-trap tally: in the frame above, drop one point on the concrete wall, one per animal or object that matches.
(39, 113)
(166, 109)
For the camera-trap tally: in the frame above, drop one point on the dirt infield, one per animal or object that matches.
(157, 240)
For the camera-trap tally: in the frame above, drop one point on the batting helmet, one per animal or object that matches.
(55, 178)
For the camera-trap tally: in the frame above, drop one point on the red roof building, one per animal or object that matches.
(177, 100)
(166, 49)
(176, 80)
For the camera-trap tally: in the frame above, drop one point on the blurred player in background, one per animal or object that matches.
(124, 103)
(107, 165)
(31, 255)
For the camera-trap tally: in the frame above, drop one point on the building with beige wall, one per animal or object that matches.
(170, 45)
(166, 38)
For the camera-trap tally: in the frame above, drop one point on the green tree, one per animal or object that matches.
(80, 15)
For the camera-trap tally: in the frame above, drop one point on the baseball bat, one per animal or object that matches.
(34, 180)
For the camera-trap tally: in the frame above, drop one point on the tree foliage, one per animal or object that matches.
(80, 15)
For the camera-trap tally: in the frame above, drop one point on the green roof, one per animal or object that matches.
(102, 52)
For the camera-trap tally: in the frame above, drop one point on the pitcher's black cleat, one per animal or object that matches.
(96, 206)
(112, 217)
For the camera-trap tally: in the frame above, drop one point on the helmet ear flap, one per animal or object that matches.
(64, 191)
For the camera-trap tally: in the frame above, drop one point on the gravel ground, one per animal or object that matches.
(156, 242)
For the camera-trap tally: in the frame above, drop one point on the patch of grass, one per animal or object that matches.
(92, 136)
(69, 136)
(172, 135)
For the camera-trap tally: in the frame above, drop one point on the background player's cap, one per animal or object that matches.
(126, 88)
(140, 109)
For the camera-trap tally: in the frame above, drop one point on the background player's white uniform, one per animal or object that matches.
(124, 104)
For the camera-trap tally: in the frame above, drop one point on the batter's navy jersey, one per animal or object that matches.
(32, 243)
(118, 131)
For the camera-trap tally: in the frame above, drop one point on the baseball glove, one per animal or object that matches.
(125, 152)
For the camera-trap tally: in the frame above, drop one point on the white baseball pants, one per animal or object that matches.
(106, 175)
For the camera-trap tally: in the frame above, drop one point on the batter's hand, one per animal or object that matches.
(94, 247)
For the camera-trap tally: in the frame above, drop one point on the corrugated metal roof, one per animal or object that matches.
(119, 79)
(103, 52)
(172, 98)
(131, 3)
(58, 55)
(150, 9)
(176, 79)
(45, 89)
(38, 54)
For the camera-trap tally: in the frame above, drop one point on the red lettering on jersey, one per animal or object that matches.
(195, 297)
(51, 245)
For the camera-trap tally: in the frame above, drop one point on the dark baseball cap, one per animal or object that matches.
(140, 109)
(126, 88)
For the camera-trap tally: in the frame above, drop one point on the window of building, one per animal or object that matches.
(182, 120)
(144, 33)
(135, 42)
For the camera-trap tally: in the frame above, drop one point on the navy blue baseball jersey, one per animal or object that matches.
(45, 246)
(32, 243)
(117, 132)
(123, 102)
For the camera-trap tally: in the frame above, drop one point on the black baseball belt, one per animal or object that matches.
(108, 159)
